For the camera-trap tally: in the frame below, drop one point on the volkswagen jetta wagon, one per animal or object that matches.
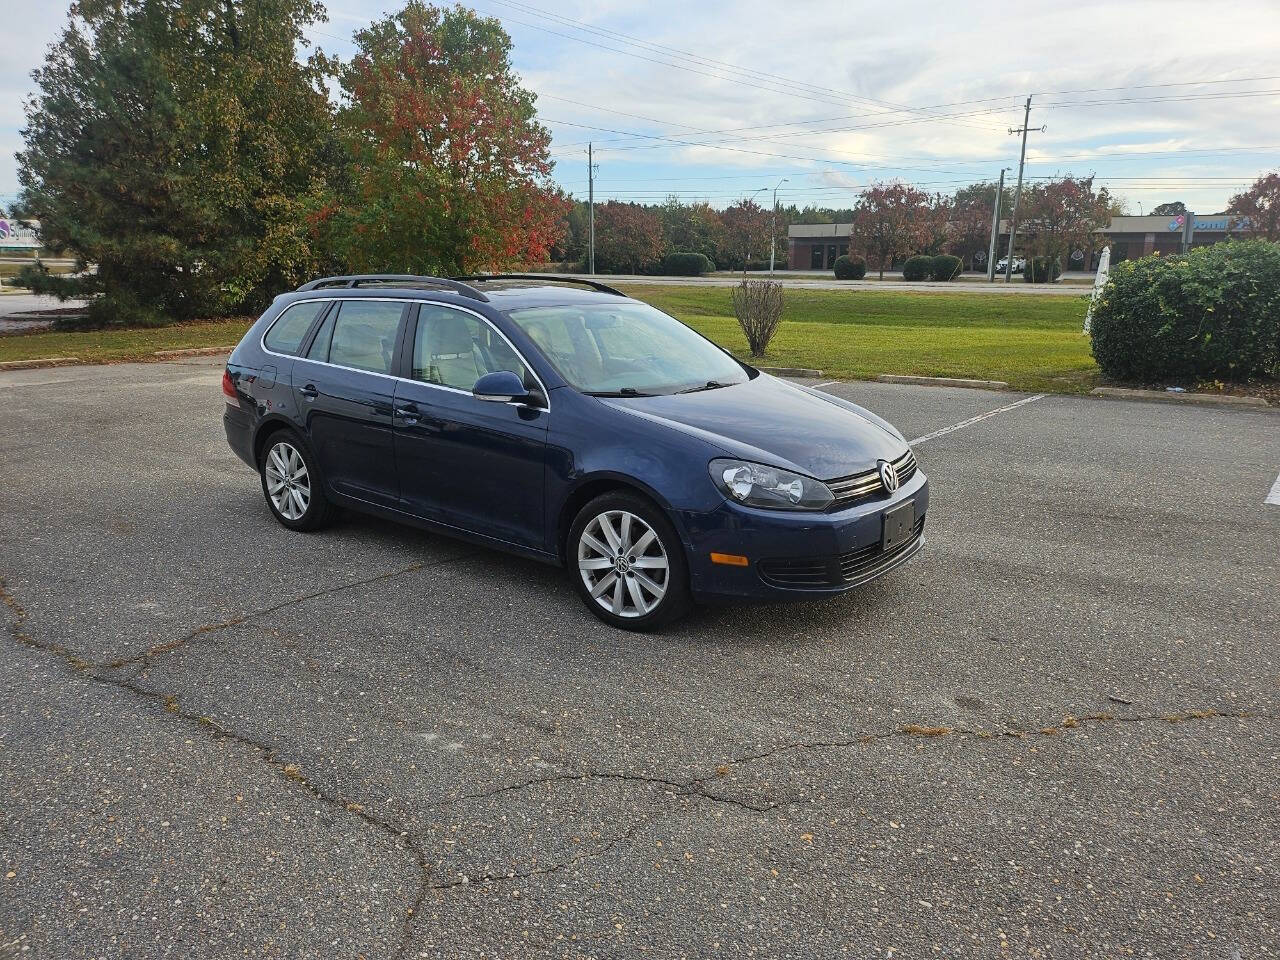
(564, 421)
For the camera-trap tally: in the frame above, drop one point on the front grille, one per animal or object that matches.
(852, 567)
(847, 490)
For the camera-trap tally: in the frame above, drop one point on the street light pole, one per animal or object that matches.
(773, 218)
(995, 229)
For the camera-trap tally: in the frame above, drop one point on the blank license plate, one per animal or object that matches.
(899, 524)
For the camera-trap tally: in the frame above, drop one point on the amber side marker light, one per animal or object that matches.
(729, 559)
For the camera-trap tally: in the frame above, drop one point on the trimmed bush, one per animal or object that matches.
(686, 264)
(850, 268)
(919, 267)
(1042, 270)
(945, 267)
(1212, 313)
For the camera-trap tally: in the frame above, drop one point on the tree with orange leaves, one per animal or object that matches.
(449, 167)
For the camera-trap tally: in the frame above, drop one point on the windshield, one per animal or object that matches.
(626, 349)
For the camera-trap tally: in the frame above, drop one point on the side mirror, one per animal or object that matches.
(502, 386)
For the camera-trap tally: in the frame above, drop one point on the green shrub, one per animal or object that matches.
(1042, 270)
(850, 268)
(919, 267)
(1210, 314)
(686, 265)
(945, 267)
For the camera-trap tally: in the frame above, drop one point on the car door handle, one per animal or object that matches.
(310, 391)
(408, 413)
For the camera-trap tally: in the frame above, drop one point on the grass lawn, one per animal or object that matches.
(131, 343)
(1033, 342)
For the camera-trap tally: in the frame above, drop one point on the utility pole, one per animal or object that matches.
(591, 202)
(773, 217)
(1017, 193)
(995, 229)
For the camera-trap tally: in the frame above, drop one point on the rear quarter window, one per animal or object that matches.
(289, 330)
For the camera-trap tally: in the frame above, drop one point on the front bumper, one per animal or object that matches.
(793, 555)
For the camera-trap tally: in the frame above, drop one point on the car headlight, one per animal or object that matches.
(759, 486)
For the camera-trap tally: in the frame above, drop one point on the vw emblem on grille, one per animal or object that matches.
(888, 475)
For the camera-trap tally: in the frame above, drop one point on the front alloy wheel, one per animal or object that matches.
(630, 565)
(623, 564)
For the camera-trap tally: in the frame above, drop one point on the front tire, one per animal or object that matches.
(291, 484)
(627, 563)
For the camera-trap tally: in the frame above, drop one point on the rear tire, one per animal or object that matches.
(291, 484)
(627, 562)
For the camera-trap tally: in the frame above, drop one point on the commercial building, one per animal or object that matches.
(19, 238)
(816, 246)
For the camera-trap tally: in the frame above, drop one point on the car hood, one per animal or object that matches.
(774, 422)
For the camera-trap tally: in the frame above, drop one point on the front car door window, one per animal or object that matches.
(454, 349)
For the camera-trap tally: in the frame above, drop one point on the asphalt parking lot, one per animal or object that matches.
(1053, 734)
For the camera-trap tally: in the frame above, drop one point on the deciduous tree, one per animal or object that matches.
(176, 144)
(628, 238)
(744, 233)
(1260, 204)
(889, 221)
(1172, 209)
(449, 165)
(1061, 216)
(971, 211)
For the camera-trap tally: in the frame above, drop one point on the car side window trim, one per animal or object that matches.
(404, 343)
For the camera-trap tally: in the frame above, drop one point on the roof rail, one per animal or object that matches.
(548, 277)
(353, 281)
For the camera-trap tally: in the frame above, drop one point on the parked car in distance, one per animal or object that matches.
(1019, 264)
(560, 420)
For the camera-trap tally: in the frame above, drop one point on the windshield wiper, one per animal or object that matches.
(709, 385)
(624, 392)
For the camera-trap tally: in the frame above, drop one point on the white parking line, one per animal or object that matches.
(1273, 497)
(824, 383)
(972, 420)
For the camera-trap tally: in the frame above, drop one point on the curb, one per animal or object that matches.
(791, 371)
(1164, 396)
(194, 352)
(38, 362)
(943, 382)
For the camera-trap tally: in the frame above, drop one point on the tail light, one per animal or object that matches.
(229, 389)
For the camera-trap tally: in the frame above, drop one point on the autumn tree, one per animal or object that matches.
(1061, 216)
(1174, 208)
(176, 145)
(890, 221)
(972, 208)
(744, 233)
(449, 166)
(628, 238)
(1260, 206)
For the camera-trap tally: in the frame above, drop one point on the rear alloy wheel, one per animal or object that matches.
(291, 485)
(629, 563)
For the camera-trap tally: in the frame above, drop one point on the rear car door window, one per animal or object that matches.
(364, 334)
(455, 349)
(287, 333)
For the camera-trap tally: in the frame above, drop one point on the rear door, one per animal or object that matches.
(344, 389)
(470, 463)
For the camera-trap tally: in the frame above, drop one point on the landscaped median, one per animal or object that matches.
(1032, 343)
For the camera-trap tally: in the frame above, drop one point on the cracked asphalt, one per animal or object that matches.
(1053, 734)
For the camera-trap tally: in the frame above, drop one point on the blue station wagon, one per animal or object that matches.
(559, 419)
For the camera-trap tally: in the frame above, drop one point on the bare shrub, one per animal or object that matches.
(758, 306)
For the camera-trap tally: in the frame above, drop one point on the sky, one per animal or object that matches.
(1168, 100)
